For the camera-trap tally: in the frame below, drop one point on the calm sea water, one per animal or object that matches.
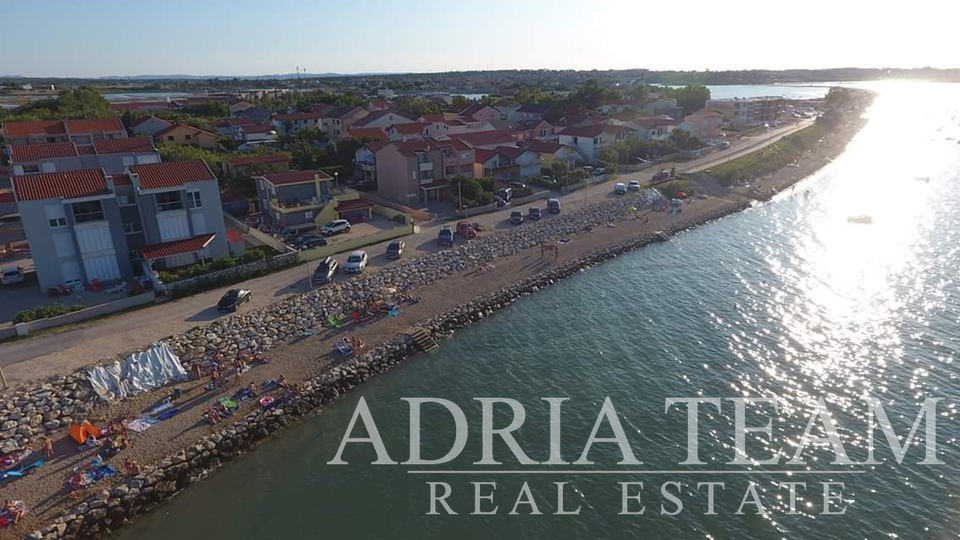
(789, 299)
(805, 91)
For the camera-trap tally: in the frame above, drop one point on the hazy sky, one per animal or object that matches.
(249, 37)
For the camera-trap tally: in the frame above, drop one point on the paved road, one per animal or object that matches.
(137, 328)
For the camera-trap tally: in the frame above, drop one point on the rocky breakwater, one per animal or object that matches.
(40, 410)
(133, 496)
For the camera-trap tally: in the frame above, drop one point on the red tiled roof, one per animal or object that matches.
(407, 129)
(585, 131)
(356, 204)
(147, 118)
(66, 185)
(482, 155)
(256, 128)
(94, 126)
(177, 247)
(25, 129)
(172, 174)
(295, 177)
(366, 120)
(27, 153)
(85, 151)
(410, 147)
(265, 158)
(373, 133)
(545, 147)
(135, 145)
(192, 129)
(121, 180)
(484, 138)
(375, 146)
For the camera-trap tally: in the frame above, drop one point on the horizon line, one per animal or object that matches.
(573, 471)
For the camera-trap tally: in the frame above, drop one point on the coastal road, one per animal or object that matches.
(78, 346)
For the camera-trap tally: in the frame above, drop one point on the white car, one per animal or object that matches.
(634, 186)
(336, 226)
(12, 275)
(356, 262)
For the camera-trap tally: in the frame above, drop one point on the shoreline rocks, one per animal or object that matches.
(137, 495)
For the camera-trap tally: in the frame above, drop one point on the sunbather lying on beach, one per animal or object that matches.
(14, 509)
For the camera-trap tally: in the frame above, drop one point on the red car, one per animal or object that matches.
(467, 230)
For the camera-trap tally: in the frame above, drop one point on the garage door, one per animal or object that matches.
(104, 268)
(70, 273)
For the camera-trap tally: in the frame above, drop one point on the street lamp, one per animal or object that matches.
(336, 181)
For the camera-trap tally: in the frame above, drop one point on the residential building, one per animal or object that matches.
(149, 126)
(374, 134)
(407, 132)
(415, 171)
(378, 105)
(489, 139)
(260, 164)
(293, 199)
(657, 128)
(286, 124)
(85, 225)
(477, 111)
(256, 115)
(240, 106)
(507, 163)
(322, 108)
(186, 135)
(337, 121)
(532, 111)
(382, 119)
(704, 123)
(749, 111)
(256, 133)
(111, 155)
(665, 107)
(535, 129)
(617, 106)
(508, 109)
(228, 127)
(81, 132)
(579, 120)
(386, 93)
(551, 152)
(590, 140)
(365, 160)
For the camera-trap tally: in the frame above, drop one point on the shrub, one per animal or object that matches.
(522, 192)
(45, 312)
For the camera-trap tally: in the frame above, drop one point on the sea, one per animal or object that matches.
(844, 288)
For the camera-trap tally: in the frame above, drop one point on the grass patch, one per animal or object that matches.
(771, 158)
(45, 312)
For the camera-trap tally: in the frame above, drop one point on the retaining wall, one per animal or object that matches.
(81, 315)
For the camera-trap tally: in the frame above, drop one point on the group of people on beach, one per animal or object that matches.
(550, 250)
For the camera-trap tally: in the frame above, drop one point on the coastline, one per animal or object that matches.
(453, 301)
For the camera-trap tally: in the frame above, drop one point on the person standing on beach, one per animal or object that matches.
(48, 448)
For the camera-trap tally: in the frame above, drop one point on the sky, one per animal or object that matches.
(93, 38)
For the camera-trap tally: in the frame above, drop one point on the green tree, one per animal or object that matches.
(684, 140)
(691, 98)
(640, 93)
(173, 152)
(215, 109)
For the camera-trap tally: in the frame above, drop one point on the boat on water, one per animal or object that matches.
(863, 220)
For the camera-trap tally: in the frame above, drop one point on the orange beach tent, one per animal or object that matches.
(83, 431)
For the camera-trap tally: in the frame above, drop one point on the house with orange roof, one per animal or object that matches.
(184, 134)
(293, 199)
(81, 132)
(416, 171)
(407, 132)
(111, 155)
(85, 225)
(149, 126)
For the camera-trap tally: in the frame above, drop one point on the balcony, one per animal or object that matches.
(296, 205)
(426, 166)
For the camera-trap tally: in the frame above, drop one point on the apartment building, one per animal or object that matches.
(414, 171)
(293, 199)
(111, 155)
(80, 132)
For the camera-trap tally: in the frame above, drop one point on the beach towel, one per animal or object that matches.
(344, 348)
(140, 425)
(168, 414)
(244, 394)
(228, 403)
(393, 312)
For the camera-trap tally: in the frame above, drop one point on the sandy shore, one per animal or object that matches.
(300, 360)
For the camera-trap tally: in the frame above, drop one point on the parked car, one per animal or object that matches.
(308, 242)
(325, 271)
(516, 217)
(336, 226)
(599, 171)
(505, 193)
(633, 185)
(553, 206)
(356, 262)
(233, 299)
(445, 237)
(518, 185)
(11, 275)
(395, 249)
(466, 230)
(620, 189)
(661, 175)
(534, 213)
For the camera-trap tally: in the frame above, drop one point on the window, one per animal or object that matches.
(597, 141)
(132, 228)
(57, 223)
(169, 137)
(169, 200)
(134, 255)
(308, 214)
(465, 155)
(126, 200)
(543, 133)
(186, 137)
(193, 199)
(84, 212)
(27, 169)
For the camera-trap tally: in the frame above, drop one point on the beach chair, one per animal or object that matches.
(393, 312)
(344, 349)
(333, 322)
